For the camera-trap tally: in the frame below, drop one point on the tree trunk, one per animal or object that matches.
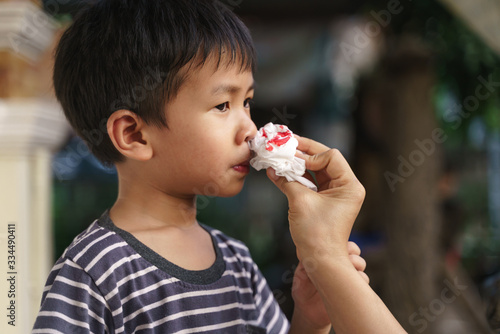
(413, 216)
(400, 164)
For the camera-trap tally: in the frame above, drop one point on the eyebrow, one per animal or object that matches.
(231, 89)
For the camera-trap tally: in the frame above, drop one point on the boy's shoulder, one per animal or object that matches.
(102, 247)
(92, 244)
(226, 242)
(99, 238)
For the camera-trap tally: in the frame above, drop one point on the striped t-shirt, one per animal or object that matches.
(107, 281)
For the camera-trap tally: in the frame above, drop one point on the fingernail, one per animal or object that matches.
(272, 174)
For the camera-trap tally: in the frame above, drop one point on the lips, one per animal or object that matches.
(243, 167)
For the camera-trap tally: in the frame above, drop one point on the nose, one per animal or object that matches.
(248, 129)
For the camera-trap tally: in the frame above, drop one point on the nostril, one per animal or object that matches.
(250, 138)
(251, 133)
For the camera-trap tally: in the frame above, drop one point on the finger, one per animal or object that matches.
(290, 189)
(332, 170)
(353, 248)
(365, 277)
(305, 283)
(310, 146)
(335, 171)
(358, 262)
(300, 271)
(309, 176)
(331, 160)
(300, 278)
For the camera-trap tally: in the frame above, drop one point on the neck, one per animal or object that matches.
(140, 201)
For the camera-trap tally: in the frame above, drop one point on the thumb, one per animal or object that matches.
(287, 188)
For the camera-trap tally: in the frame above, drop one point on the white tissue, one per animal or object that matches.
(275, 147)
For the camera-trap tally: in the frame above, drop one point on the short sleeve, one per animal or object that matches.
(270, 314)
(72, 303)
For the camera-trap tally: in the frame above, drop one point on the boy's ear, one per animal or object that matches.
(128, 133)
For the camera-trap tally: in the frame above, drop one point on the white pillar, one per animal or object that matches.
(30, 130)
(31, 127)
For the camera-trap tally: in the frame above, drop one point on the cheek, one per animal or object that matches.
(203, 161)
(210, 145)
(198, 151)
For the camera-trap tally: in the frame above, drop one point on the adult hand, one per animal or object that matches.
(321, 222)
(320, 225)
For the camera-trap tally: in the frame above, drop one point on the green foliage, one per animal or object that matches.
(463, 62)
(460, 55)
(492, 115)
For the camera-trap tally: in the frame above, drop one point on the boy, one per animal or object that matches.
(171, 80)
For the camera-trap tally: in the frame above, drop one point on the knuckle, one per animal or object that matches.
(365, 277)
(333, 153)
(359, 191)
(301, 200)
(353, 248)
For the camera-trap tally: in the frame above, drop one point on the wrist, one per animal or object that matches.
(321, 255)
(300, 325)
(324, 269)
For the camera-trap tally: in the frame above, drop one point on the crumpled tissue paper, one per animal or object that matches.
(275, 147)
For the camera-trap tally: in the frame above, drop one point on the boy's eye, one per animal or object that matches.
(248, 102)
(223, 106)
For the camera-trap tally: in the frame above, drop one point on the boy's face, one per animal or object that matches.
(205, 149)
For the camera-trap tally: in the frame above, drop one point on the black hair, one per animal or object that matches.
(128, 54)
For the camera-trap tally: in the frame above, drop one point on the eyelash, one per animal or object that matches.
(224, 106)
(249, 102)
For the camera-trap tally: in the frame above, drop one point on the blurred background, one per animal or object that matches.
(407, 90)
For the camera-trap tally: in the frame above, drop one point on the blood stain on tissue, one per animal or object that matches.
(280, 139)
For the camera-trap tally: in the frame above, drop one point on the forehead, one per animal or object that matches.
(210, 71)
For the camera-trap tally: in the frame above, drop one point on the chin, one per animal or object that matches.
(219, 186)
(231, 190)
